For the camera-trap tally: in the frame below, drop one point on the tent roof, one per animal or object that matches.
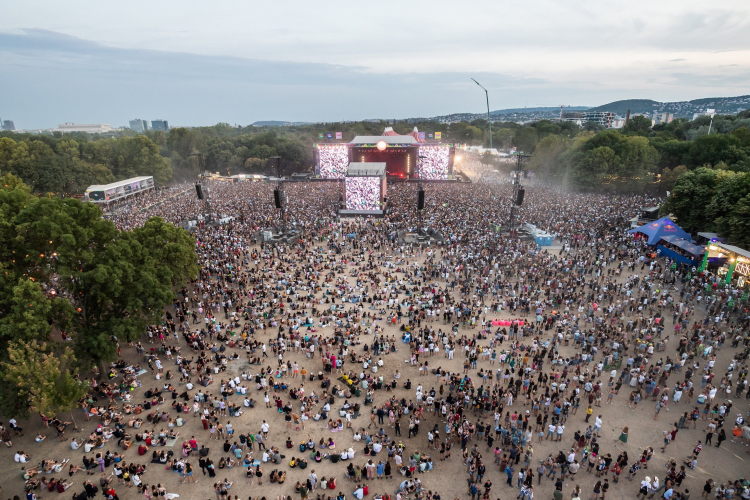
(658, 229)
(685, 245)
(388, 139)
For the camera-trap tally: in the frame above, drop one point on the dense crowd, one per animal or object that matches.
(503, 345)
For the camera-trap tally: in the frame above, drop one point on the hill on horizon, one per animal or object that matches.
(680, 109)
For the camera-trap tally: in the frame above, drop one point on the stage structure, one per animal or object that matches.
(405, 156)
(365, 187)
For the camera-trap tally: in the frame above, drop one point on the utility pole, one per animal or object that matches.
(489, 122)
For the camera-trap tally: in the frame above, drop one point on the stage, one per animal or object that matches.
(404, 156)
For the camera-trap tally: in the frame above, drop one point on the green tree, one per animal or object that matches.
(547, 160)
(669, 177)
(712, 149)
(526, 140)
(693, 192)
(638, 125)
(720, 213)
(672, 153)
(27, 315)
(37, 379)
(115, 283)
(590, 173)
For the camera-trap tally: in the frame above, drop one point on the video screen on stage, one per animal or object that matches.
(399, 162)
(433, 162)
(363, 193)
(332, 161)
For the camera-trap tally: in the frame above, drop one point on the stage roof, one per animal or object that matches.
(658, 229)
(388, 139)
(731, 248)
(366, 169)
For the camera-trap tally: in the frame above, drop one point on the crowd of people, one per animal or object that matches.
(363, 193)
(503, 345)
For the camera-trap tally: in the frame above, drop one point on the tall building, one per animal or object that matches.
(8, 125)
(160, 125)
(660, 118)
(95, 128)
(139, 125)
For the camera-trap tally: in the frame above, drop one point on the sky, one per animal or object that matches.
(198, 63)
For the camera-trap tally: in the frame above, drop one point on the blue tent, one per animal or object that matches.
(658, 229)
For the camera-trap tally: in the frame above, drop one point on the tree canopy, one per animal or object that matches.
(73, 286)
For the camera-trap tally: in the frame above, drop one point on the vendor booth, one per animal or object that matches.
(680, 250)
(729, 262)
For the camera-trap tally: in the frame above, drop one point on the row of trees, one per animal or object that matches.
(61, 165)
(71, 287)
(711, 199)
(630, 159)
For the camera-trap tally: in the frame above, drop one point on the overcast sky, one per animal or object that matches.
(198, 63)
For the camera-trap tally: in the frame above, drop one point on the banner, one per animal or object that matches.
(320, 135)
(438, 135)
(339, 135)
(421, 136)
(329, 135)
(429, 136)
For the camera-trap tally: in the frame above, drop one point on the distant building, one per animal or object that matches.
(139, 125)
(8, 125)
(618, 122)
(709, 112)
(160, 125)
(96, 128)
(603, 118)
(660, 118)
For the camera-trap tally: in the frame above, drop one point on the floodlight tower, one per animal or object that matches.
(279, 196)
(518, 192)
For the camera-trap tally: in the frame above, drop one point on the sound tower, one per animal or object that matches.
(277, 198)
(519, 196)
(420, 200)
(199, 191)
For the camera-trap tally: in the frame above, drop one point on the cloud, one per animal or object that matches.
(50, 78)
(56, 78)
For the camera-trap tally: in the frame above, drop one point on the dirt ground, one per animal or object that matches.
(448, 478)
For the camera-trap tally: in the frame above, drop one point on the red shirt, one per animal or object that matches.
(142, 450)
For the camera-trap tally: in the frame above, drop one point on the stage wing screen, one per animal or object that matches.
(363, 193)
(433, 162)
(333, 161)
